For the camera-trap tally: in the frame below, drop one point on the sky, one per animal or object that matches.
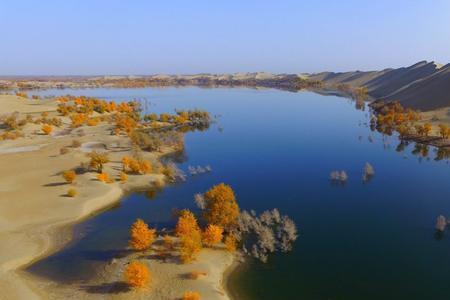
(92, 37)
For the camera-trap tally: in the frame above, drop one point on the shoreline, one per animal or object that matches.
(37, 217)
(234, 267)
(61, 235)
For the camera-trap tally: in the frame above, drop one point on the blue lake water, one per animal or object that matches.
(372, 240)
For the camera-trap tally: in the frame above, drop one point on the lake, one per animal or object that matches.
(372, 241)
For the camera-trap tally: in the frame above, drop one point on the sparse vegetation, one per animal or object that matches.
(72, 193)
(98, 159)
(137, 275)
(75, 144)
(69, 176)
(141, 235)
(64, 150)
(47, 129)
(123, 177)
(104, 177)
(191, 295)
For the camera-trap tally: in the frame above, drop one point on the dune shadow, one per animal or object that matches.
(166, 258)
(55, 184)
(117, 287)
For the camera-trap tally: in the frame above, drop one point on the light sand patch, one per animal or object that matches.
(20, 149)
(92, 146)
(169, 279)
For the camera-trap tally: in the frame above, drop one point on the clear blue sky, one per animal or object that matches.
(72, 37)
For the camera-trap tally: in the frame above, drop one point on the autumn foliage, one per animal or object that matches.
(230, 242)
(186, 224)
(141, 236)
(69, 176)
(191, 296)
(212, 235)
(136, 166)
(46, 129)
(221, 206)
(78, 119)
(104, 177)
(393, 116)
(71, 192)
(123, 177)
(137, 275)
(190, 236)
(444, 131)
(98, 160)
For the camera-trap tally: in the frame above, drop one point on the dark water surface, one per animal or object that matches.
(357, 241)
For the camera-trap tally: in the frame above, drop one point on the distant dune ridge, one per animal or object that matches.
(424, 85)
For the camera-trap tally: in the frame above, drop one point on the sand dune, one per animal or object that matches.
(429, 93)
(424, 85)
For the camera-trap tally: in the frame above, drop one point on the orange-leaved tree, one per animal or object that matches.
(190, 236)
(69, 176)
(444, 131)
(46, 129)
(123, 177)
(98, 159)
(221, 206)
(72, 192)
(186, 224)
(141, 236)
(137, 274)
(230, 242)
(427, 129)
(212, 235)
(190, 295)
(190, 246)
(104, 177)
(125, 163)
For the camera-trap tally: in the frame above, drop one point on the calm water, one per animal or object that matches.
(357, 241)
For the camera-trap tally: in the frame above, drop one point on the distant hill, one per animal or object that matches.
(424, 85)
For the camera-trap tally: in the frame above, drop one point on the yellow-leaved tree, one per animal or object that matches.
(190, 236)
(98, 159)
(221, 206)
(137, 275)
(190, 295)
(69, 176)
(212, 235)
(230, 242)
(141, 235)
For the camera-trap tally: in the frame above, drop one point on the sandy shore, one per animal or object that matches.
(36, 216)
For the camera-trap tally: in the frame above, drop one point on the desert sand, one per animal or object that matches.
(423, 86)
(36, 215)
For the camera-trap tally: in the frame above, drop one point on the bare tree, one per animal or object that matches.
(441, 223)
(368, 172)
